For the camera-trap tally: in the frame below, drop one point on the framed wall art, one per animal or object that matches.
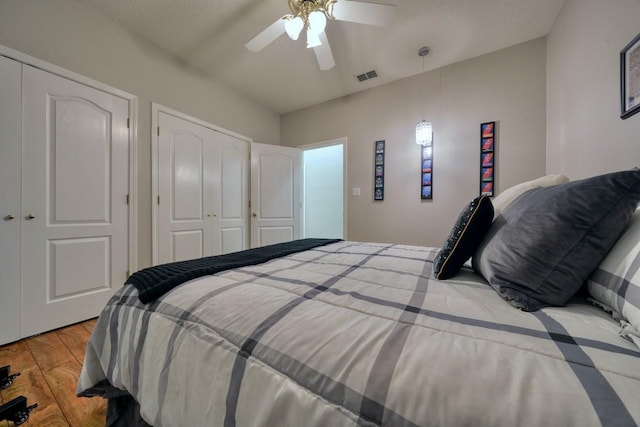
(630, 78)
(426, 174)
(378, 175)
(487, 158)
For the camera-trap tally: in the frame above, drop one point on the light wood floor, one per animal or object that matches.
(50, 365)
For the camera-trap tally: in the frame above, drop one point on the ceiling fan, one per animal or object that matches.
(313, 14)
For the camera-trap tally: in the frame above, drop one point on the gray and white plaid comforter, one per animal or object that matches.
(360, 334)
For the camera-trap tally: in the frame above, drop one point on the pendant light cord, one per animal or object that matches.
(424, 110)
(424, 51)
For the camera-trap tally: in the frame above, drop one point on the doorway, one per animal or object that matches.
(323, 181)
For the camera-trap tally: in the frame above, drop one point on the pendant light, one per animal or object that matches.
(424, 129)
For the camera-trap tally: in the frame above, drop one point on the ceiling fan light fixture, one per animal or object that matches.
(313, 39)
(317, 21)
(312, 16)
(294, 26)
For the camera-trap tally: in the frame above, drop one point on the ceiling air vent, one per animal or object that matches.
(366, 76)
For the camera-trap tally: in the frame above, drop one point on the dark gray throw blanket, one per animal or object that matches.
(154, 282)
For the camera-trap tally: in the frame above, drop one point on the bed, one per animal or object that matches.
(345, 333)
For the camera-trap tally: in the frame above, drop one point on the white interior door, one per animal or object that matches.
(188, 161)
(203, 187)
(234, 194)
(10, 159)
(275, 194)
(74, 189)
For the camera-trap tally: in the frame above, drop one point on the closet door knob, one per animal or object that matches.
(9, 217)
(30, 217)
(254, 214)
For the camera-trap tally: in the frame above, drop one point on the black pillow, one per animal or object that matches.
(544, 245)
(467, 233)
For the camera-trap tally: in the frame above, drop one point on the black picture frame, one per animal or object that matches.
(426, 172)
(378, 171)
(630, 79)
(487, 158)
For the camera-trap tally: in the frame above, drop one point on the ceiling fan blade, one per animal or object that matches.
(364, 13)
(323, 53)
(269, 35)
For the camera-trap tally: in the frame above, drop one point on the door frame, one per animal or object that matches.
(320, 144)
(157, 108)
(132, 101)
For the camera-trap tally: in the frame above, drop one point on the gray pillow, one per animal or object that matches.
(544, 245)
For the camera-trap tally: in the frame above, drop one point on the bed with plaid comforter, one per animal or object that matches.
(357, 334)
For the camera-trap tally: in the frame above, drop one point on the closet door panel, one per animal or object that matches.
(90, 177)
(74, 263)
(10, 156)
(75, 185)
(187, 244)
(185, 190)
(233, 222)
(188, 180)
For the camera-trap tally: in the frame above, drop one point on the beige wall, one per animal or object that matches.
(67, 34)
(563, 90)
(585, 135)
(507, 86)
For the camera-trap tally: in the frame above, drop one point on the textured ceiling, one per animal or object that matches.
(210, 35)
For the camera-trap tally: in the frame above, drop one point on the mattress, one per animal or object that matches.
(359, 334)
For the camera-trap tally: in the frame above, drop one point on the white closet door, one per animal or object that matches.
(234, 194)
(74, 186)
(203, 187)
(275, 194)
(10, 157)
(188, 165)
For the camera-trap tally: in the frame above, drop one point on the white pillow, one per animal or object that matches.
(616, 281)
(505, 198)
